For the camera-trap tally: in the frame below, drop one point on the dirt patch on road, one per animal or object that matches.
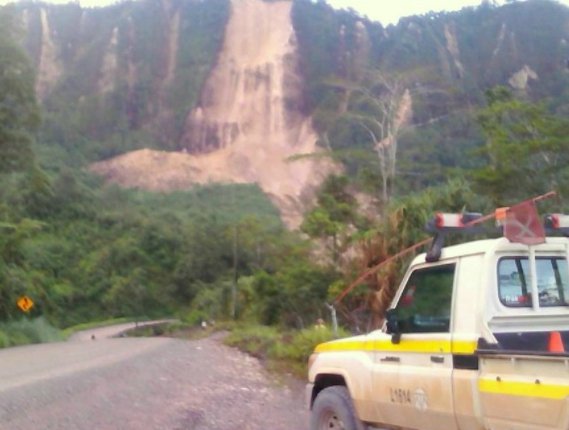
(243, 395)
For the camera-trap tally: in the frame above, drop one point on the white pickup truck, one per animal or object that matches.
(473, 340)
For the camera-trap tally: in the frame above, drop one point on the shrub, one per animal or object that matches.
(26, 331)
(258, 341)
(302, 344)
(291, 347)
(4, 340)
(194, 317)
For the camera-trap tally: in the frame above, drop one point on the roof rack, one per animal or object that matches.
(443, 224)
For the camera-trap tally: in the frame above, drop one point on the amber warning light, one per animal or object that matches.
(500, 215)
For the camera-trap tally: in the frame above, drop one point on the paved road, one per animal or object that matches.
(138, 383)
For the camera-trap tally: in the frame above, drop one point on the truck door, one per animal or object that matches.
(414, 376)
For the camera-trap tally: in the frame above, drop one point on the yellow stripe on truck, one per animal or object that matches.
(344, 346)
(526, 389)
(464, 346)
(406, 345)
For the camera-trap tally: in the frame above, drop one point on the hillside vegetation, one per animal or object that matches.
(454, 111)
(445, 60)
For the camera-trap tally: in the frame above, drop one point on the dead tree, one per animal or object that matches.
(392, 105)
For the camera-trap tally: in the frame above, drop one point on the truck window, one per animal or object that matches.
(425, 305)
(514, 284)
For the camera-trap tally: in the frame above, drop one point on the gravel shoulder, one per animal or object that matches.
(137, 383)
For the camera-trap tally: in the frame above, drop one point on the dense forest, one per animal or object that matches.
(445, 60)
(84, 250)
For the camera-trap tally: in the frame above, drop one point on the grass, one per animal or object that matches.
(38, 330)
(280, 351)
(259, 341)
(28, 331)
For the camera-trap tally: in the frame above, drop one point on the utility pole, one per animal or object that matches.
(332, 310)
(235, 262)
(234, 281)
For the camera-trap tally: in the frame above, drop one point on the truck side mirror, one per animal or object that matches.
(393, 325)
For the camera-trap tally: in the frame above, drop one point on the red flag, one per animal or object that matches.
(523, 224)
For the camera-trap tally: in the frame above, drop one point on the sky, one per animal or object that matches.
(385, 11)
(389, 11)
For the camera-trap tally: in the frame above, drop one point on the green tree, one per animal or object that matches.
(19, 114)
(19, 119)
(334, 213)
(15, 278)
(402, 226)
(207, 256)
(294, 296)
(526, 149)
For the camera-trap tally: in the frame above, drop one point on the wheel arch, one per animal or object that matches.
(325, 380)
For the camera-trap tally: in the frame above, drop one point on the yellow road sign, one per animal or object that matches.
(25, 303)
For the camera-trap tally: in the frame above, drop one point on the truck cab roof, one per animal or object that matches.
(495, 246)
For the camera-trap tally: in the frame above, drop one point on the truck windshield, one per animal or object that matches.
(514, 283)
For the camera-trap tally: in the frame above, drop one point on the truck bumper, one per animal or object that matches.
(308, 395)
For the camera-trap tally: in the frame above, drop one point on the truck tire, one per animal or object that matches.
(333, 409)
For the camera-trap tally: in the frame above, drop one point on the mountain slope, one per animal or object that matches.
(247, 125)
(233, 89)
(446, 60)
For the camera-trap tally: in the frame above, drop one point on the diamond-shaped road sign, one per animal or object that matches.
(25, 303)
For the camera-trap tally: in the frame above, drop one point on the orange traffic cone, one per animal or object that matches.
(555, 342)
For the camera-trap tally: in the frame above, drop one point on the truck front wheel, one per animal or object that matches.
(333, 409)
